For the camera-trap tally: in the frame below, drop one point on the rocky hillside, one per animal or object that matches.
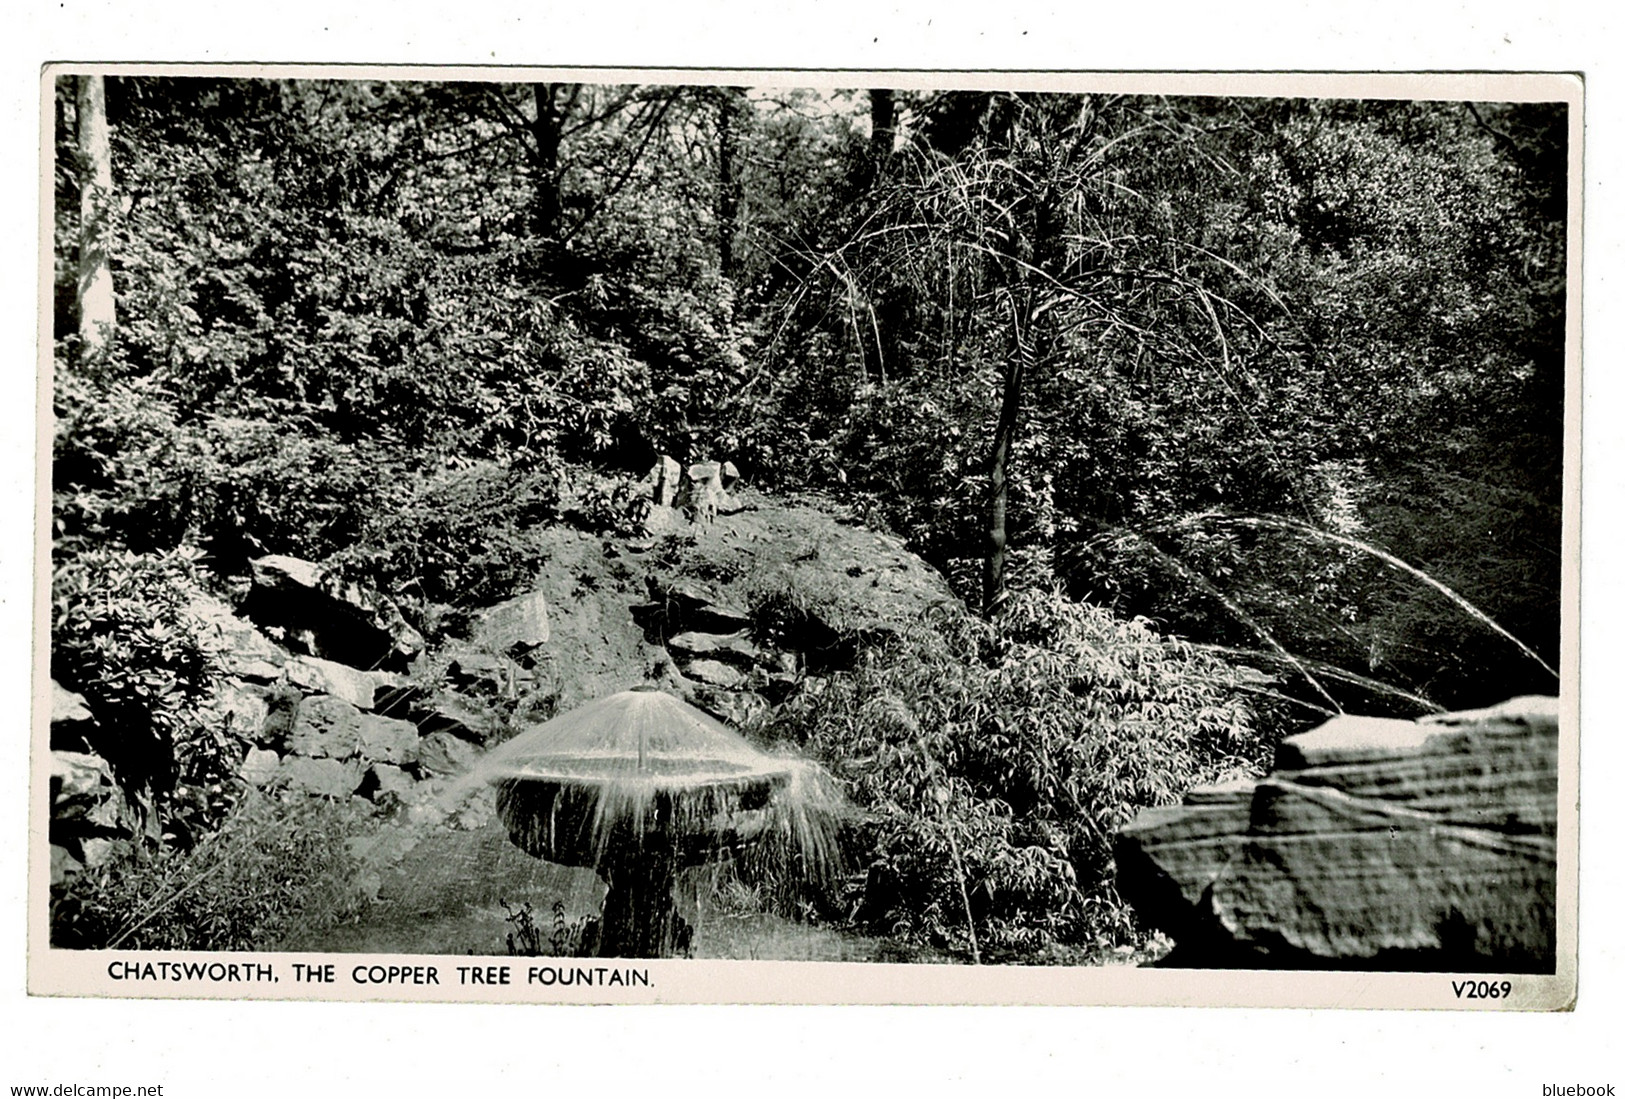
(731, 600)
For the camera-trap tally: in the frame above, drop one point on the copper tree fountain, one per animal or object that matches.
(640, 786)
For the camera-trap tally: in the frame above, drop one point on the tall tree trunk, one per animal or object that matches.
(1040, 251)
(94, 298)
(547, 131)
(882, 124)
(882, 135)
(1017, 368)
(730, 114)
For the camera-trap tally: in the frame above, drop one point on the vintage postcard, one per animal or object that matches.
(625, 536)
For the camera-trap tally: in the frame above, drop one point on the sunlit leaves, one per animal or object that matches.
(1026, 743)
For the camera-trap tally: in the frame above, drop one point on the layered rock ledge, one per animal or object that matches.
(1373, 844)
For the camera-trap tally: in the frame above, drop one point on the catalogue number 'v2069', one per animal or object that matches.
(1481, 990)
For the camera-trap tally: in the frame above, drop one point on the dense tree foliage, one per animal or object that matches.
(1280, 378)
(1203, 311)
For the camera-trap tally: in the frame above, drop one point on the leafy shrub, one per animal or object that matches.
(615, 504)
(281, 486)
(996, 761)
(462, 537)
(129, 469)
(272, 862)
(123, 636)
(113, 473)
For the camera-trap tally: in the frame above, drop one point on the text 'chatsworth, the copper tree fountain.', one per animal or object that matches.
(640, 786)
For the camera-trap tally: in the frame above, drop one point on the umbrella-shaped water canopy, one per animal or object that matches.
(639, 785)
(638, 768)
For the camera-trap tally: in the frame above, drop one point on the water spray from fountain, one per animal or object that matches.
(639, 787)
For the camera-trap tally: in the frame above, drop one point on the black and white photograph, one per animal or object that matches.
(535, 534)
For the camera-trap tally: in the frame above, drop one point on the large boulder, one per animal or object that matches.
(1373, 844)
(325, 727)
(242, 650)
(329, 618)
(84, 792)
(732, 648)
(91, 815)
(805, 589)
(444, 754)
(516, 628)
(330, 728)
(73, 726)
(259, 767)
(313, 675)
(715, 673)
(243, 708)
(386, 740)
(330, 778)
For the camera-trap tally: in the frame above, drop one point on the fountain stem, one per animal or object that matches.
(640, 917)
